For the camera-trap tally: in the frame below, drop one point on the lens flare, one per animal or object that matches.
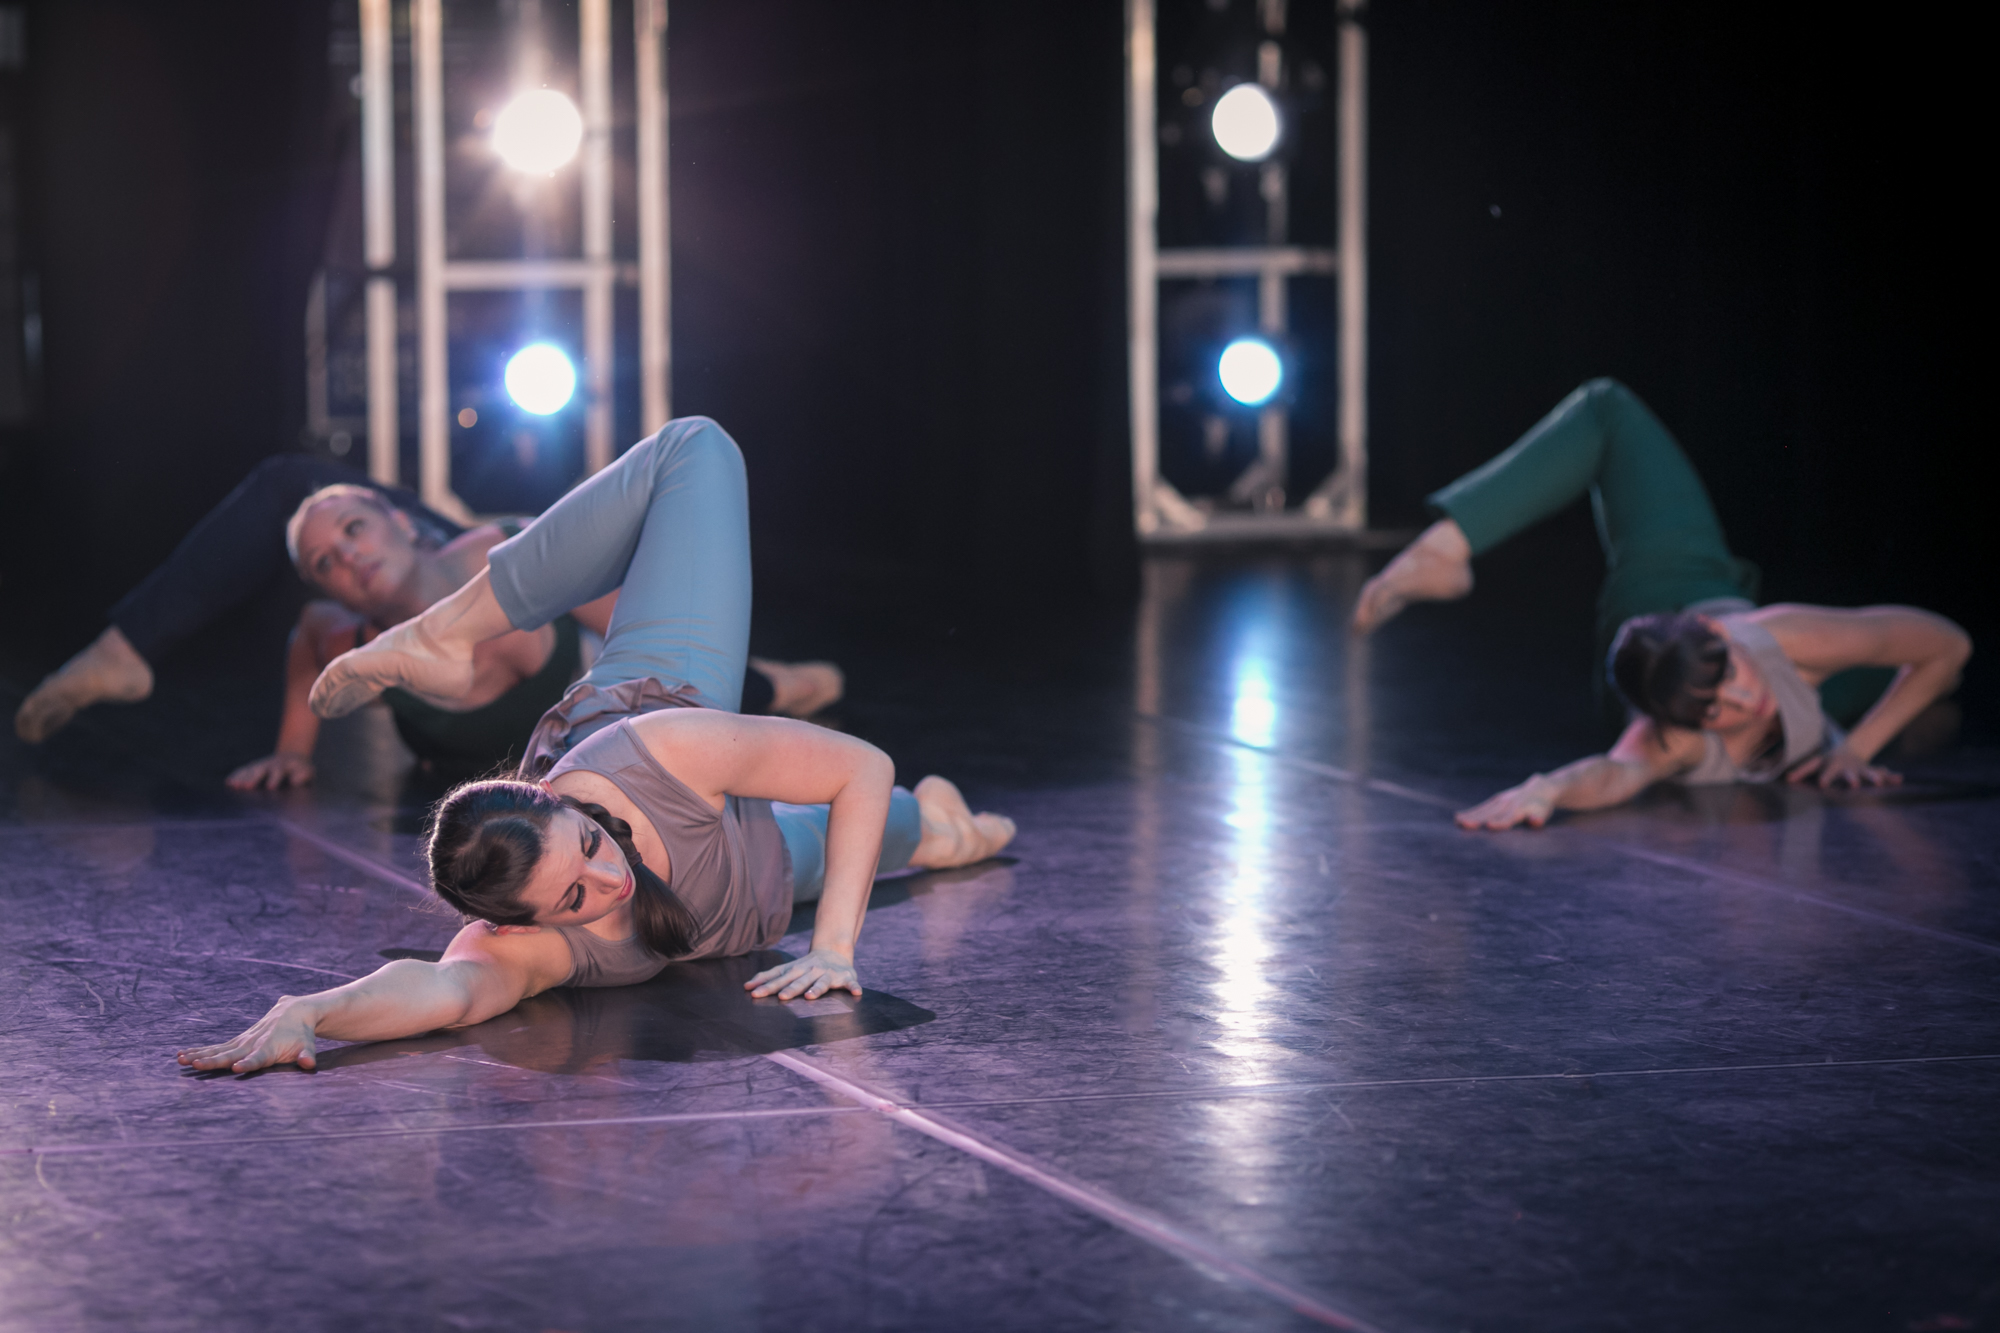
(538, 132)
(1251, 371)
(1246, 123)
(540, 379)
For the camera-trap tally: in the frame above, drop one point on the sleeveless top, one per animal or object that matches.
(1805, 729)
(730, 866)
(497, 731)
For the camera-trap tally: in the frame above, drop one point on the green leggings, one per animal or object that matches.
(1663, 545)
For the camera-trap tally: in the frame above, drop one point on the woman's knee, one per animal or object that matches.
(1605, 389)
(702, 442)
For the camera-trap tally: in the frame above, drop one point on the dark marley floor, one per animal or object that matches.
(1243, 1034)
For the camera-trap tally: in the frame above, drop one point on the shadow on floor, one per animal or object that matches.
(690, 1012)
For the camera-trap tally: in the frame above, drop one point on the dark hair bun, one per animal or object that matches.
(1668, 666)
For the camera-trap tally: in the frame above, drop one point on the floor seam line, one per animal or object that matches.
(359, 860)
(1344, 1085)
(1754, 881)
(316, 1136)
(1748, 879)
(1140, 1222)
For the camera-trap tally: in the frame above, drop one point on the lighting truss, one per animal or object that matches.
(595, 272)
(1255, 506)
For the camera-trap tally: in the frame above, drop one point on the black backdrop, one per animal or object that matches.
(899, 282)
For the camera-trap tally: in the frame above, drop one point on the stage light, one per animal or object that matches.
(1246, 123)
(538, 132)
(540, 379)
(1251, 371)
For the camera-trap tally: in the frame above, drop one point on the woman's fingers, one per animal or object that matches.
(1501, 812)
(795, 980)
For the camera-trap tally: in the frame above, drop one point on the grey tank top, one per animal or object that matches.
(1806, 729)
(730, 867)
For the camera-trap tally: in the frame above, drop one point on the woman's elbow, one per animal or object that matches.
(875, 769)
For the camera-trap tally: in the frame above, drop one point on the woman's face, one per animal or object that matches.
(357, 554)
(582, 876)
(1742, 701)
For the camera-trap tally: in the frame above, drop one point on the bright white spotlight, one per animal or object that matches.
(538, 131)
(1246, 123)
(1251, 371)
(540, 379)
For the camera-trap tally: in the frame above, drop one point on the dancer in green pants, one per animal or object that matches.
(1720, 691)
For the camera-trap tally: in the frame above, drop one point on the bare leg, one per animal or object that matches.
(430, 655)
(1436, 567)
(800, 689)
(953, 835)
(110, 670)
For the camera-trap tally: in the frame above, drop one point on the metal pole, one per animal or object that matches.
(1142, 280)
(595, 19)
(378, 207)
(655, 254)
(1353, 265)
(433, 406)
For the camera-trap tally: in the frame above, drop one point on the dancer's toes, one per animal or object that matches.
(996, 831)
(408, 656)
(110, 670)
(953, 835)
(800, 689)
(1436, 567)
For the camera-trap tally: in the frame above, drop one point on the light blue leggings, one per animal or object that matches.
(668, 525)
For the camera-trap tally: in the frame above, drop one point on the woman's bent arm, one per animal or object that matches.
(1643, 755)
(1928, 650)
(726, 753)
(325, 630)
(481, 975)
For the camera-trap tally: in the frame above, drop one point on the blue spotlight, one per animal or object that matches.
(1251, 371)
(540, 379)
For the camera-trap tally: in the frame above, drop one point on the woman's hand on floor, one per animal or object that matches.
(283, 1036)
(806, 978)
(273, 773)
(1843, 768)
(1531, 803)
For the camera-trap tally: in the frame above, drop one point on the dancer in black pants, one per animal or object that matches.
(380, 556)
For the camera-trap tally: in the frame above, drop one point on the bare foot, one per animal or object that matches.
(1436, 567)
(109, 671)
(953, 835)
(800, 689)
(408, 655)
(430, 656)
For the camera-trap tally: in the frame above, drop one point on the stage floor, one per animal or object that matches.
(1242, 1034)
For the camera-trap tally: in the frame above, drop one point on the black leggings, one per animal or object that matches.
(236, 556)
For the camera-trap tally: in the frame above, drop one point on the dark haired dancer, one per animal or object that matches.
(379, 557)
(1721, 691)
(659, 826)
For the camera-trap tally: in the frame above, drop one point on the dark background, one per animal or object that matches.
(899, 280)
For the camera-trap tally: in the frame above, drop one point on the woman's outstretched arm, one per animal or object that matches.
(1928, 651)
(1645, 754)
(325, 630)
(482, 974)
(720, 754)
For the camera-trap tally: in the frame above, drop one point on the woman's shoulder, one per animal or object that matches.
(537, 957)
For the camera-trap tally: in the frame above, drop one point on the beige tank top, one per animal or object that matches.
(1806, 729)
(730, 866)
